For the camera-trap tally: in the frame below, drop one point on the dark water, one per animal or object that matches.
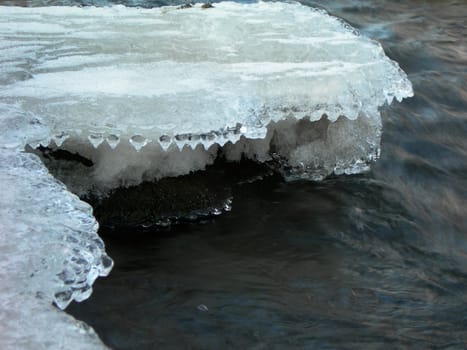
(373, 261)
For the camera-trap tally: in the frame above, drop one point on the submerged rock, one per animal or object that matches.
(171, 200)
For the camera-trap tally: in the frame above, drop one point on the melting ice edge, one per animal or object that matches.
(147, 94)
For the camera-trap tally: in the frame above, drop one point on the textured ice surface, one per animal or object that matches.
(152, 93)
(156, 91)
(48, 243)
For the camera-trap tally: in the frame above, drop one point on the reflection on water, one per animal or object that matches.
(374, 261)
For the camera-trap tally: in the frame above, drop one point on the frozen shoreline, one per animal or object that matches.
(48, 236)
(49, 246)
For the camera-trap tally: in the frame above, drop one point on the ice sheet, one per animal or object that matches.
(110, 74)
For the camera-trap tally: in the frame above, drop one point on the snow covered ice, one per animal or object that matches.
(146, 94)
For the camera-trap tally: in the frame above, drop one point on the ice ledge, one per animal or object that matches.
(50, 249)
(192, 76)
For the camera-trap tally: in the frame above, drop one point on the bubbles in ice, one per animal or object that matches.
(60, 138)
(63, 298)
(210, 136)
(106, 261)
(96, 139)
(181, 140)
(138, 142)
(113, 140)
(165, 142)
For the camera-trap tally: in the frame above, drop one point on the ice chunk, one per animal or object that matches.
(48, 242)
(164, 79)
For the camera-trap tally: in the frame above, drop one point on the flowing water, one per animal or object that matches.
(370, 261)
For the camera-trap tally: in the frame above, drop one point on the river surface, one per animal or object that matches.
(374, 261)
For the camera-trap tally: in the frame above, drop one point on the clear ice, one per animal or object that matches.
(152, 93)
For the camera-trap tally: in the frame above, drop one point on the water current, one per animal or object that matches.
(372, 261)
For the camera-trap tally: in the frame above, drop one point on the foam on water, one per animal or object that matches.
(175, 84)
(147, 94)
